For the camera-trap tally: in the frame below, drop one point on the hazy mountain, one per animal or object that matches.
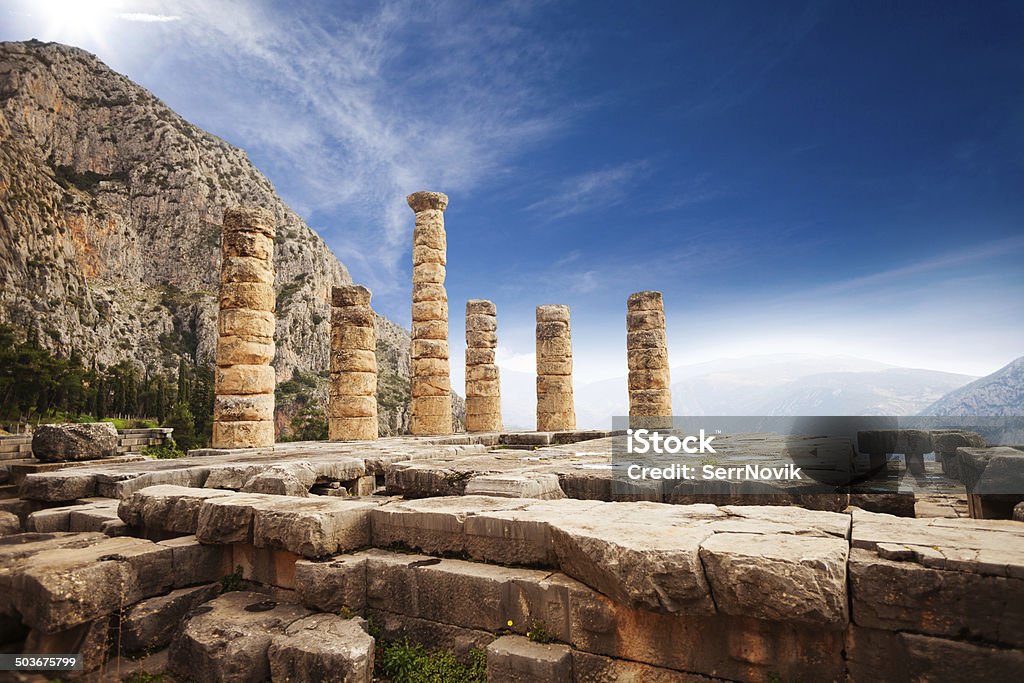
(1001, 393)
(781, 384)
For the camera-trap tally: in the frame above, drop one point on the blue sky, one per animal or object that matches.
(833, 178)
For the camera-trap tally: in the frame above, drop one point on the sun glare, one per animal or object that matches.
(75, 20)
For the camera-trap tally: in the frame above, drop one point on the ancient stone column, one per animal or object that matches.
(243, 409)
(431, 410)
(650, 398)
(555, 409)
(352, 394)
(483, 385)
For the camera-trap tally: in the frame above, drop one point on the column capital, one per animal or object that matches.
(423, 200)
(249, 219)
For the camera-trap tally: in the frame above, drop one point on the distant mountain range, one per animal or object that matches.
(1001, 393)
(782, 384)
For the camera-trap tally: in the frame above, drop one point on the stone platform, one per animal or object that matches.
(481, 542)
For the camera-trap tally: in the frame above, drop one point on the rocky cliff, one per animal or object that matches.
(110, 213)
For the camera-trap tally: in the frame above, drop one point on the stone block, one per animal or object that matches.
(228, 638)
(258, 296)
(243, 434)
(264, 566)
(249, 244)
(150, 624)
(322, 647)
(10, 524)
(196, 563)
(333, 585)
(516, 485)
(235, 350)
(74, 442)
(246, 269)
(514, 659)
(313, 527)
(251, 407)
(245, 379)
(229, 519)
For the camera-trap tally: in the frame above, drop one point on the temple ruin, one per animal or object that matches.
(517, 553)
(243, 412)
(352, 393)
(483, 383)
(431, 406)
(555, 407)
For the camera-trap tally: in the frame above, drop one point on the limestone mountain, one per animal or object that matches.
(1000, 394)
(110, 214)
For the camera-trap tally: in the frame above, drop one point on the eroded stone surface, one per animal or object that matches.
(227, 639)
(71, 442)
(150, 624)
(322, 647)
(514, 659)
(352, 394)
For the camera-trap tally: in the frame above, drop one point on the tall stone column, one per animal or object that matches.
(243, 409)
(431, 379)
(352, 394)
(650, 396)
(483, 384)
(555, 409)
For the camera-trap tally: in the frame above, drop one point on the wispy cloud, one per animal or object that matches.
(147, 18)
(363, 110)
(591, 191)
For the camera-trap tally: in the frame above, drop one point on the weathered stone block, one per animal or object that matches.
(514, 659)
(333, 585)
(196, 563)
(246, 269)
(322, 647)
(71, 442)
(151, 624)
(247, 434)
(244, 351)
(257, 296)
(235, 408)
(245, 379)
(313, 527)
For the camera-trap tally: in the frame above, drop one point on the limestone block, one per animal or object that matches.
(428, 406)
(483, 422)
(515, 659)
(484, 405)
(252, 407)
(229, 639)
(249, 219)
(646, 339)
(252, 295)
(430, 329)
(478, 356)
(355, 316)
(428, 291)
(61, 588)
(556, 420)
(352, 337)
(244, 351)
(353, 384)
(427, 201)
(58, 486)
(151, 624)
(481, 307)
(322, 644)
(556, 348)
(429, 273)
(481, 373)
(243, 434)
(246, 269)
(483, 389)
(549, 367)
(429, 348)
(244, 379)
(73, 442)
(229, 519)
(285, 479)
(313, 527)
(553, 312)
(423, 253)
(350, 295)
(352, 406)
(949, 441)
(778, 577)
(425, 367)
(648, 385)
(10, 524)
(247, 324)
(196, 563)
(423, 311)
(516, 485)
(423, 385)
(645, 301)
(168, 508)
(91, 640)
(333, 585)
(353, 360)
(249, 244)
(352, 428)
(648, 359)
(421, 423)
(638, 321)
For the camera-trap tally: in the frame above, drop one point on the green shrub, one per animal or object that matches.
(233, 582)
(405, 662)
(165, 451)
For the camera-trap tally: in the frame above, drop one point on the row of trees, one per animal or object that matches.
(36, 385)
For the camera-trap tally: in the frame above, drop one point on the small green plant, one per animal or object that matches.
(233, 582)
(539, 633)
(347, 612)
(144, 677)
(165, 451)
(405, 662)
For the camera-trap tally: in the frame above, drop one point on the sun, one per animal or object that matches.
(75, 21)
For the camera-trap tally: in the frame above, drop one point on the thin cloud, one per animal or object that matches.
(591, 191)
(146, 18)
